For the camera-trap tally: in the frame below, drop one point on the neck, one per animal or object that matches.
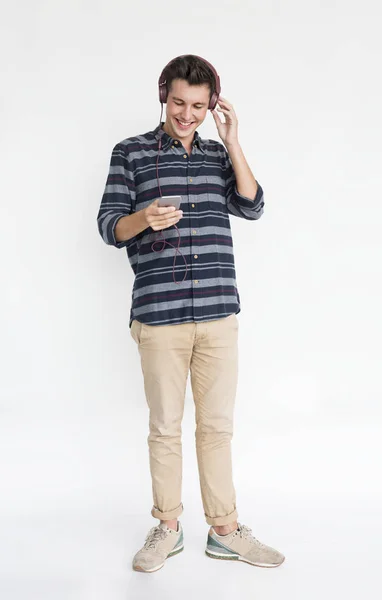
(186, 142)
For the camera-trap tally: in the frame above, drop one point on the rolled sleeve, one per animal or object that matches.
(118, 199)
(237, 204)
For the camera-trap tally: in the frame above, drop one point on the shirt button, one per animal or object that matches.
(194, 231)
(196, 281)
(172, 146)
(184, 155)
(193, 205)
(190, 179)
(175, 142)
(195, 256)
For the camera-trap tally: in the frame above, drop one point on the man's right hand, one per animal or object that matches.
(161, 217)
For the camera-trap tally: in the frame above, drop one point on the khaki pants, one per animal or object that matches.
(209, 350)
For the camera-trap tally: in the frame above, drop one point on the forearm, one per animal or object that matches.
(245, 181)
(128, 227)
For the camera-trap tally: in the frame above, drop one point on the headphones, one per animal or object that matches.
(163, 88)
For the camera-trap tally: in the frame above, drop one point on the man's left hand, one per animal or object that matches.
(227, 130)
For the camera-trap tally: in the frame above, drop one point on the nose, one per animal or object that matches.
(186, 113)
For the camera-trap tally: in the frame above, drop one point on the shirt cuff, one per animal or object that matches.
(246, 202)
(114, 241)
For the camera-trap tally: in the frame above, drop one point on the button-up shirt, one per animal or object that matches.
(206, 181)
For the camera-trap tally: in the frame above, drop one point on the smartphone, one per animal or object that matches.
(170, 201)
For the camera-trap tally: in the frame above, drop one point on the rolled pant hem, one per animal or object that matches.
(169, 515)
(222, 520)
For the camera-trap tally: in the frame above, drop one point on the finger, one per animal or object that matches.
(223, 101)
(162, 210)
(216, 117)
(164, 224)
(227, 107)
(228, 113)
(175, 215)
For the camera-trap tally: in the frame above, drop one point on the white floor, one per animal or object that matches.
(73, 512)
(330, 554)
(332, 538)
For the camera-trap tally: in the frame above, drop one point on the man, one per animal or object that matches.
(183, 314)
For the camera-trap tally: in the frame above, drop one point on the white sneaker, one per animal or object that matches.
(161, 543)
(242, 545)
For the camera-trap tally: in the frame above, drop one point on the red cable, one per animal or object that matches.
(161, 231)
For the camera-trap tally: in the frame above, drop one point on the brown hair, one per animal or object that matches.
(191, 68)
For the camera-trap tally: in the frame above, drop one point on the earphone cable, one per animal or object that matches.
(163, 240)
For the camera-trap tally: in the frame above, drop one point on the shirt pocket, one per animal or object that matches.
(215, 188)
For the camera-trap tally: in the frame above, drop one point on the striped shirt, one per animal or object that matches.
(206, 181)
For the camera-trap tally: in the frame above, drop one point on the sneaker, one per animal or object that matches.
(161, 543)
(242, 545)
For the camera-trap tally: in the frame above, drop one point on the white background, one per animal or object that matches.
(304, 77)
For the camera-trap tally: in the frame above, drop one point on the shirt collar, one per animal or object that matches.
(168, 141)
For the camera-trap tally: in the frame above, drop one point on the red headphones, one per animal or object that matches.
(163, 88)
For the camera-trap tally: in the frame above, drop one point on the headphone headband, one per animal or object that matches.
(163, 88)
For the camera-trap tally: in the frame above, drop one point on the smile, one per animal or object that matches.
(184, 124)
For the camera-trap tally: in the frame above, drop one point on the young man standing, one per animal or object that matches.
(183, 313)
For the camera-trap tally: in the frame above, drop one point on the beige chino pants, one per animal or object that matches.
(209, 351)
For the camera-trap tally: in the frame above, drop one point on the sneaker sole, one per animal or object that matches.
(173, 553)
(238, 557)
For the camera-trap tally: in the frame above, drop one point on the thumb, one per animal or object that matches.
(216, 117)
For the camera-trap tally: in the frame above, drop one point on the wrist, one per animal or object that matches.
(233, 146)
(143, 217)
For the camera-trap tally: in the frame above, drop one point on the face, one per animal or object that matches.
(187, 107)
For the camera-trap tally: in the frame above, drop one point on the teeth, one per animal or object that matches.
(183, 123)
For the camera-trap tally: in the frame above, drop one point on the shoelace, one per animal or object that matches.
(246, 532)
(155, 535)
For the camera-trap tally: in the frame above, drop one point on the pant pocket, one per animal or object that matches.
(136, 331)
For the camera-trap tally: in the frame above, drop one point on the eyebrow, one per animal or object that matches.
(180, 100)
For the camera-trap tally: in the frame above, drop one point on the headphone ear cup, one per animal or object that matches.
(162, 94)
(213, 101)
